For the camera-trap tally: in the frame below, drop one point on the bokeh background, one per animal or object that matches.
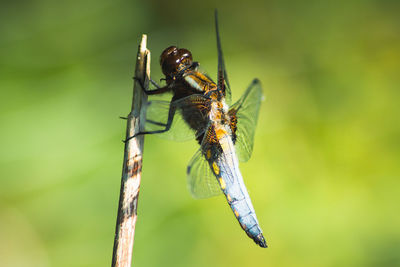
(325, 168)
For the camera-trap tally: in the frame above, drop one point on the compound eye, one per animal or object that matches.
(169, 60)
(173, 60)
(168, 52)
(185, 55)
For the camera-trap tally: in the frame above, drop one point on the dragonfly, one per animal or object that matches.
(199, 108)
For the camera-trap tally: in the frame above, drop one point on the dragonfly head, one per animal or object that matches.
(175, 60)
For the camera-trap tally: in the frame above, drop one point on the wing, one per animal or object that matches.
(192, 107)
(246, 110)
(201, 180)
(157, 117)
(223, 82)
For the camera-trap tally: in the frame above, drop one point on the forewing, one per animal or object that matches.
(157, 117)
(223, 82)
(201, 181)
(246, 110)
(193, 106)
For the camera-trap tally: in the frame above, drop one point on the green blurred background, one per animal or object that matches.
(324, 173)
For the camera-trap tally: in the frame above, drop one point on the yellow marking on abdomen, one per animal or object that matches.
(215, 168)
(222, 183)
(208, 154)
(236, 213)
(228, 197)
(220, 133)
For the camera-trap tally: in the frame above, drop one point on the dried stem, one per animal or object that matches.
(132, 165)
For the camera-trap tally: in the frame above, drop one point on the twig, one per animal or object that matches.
(132, 165)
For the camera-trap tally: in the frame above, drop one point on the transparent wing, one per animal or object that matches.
(246, 110)
(157, 117)
(201, 181)
(223, 81)
(194, 108)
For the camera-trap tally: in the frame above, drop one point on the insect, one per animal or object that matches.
(225, 134)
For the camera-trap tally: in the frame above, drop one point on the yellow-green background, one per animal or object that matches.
(324, 173)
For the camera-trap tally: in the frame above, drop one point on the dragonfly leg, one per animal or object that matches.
(158, 90)
(155, 83)
(156, 123)
(149, 121)
(171, 115)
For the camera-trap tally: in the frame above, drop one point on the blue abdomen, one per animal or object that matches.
(226, 169)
